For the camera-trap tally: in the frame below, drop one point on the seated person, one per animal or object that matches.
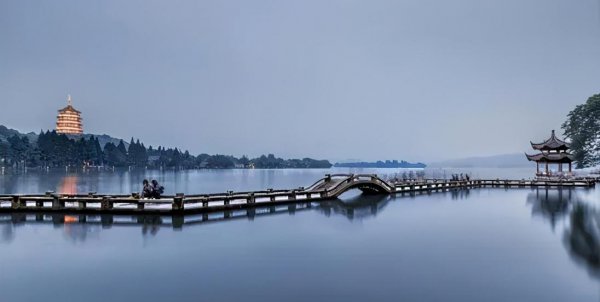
(146, 189)
(157, 189)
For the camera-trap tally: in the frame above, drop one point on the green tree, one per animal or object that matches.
(114, 155)
(19, 148)
(583, 128)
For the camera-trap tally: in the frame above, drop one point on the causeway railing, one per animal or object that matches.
(329, 187)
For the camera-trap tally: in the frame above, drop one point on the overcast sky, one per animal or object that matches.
(416, 80)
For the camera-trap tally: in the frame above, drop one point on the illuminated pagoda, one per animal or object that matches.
(552, 151)
(69, 120)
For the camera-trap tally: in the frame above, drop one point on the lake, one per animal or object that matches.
(489, 244)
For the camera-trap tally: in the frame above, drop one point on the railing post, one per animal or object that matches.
(57, 203)
(22, 203)
(292, 195)
(16, 201)
(251, 199)
(106, 203)
(40, 203)
(177, 204)
(271, 197)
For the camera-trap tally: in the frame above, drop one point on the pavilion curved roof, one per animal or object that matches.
(550, 157)
(551, 144)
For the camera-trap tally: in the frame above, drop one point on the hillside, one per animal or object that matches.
(103, 139)
(5, 133)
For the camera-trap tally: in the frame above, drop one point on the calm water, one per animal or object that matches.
(207, 181)
(476, 245)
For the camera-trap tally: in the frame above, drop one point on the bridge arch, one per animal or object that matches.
(370, 186)
(366, 188)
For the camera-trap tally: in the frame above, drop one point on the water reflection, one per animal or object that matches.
(552, 204)
(80, 227)
(68, 185)
(582, 229)
(582, 238)
(358, 207)
(77, 232)
(7, 233)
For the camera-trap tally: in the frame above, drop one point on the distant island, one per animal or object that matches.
(381, 164)
(49, 149)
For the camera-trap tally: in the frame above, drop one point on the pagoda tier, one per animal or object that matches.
(562, 157)
(551, 144)
(69, 120)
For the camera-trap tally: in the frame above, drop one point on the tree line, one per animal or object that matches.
(58, 150)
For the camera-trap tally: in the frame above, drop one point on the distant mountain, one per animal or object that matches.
(381, 164)
(5, 133)
(514, 160)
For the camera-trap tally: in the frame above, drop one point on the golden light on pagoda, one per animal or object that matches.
(69, 120)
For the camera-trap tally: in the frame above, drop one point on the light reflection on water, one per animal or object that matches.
(465, 245)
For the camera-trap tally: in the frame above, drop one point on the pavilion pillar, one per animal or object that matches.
(569, 167)
(537, 167)
(546, 168)
(560, 167)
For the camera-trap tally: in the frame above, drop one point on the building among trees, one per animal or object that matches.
(50, 149)
(69, 120)
(552, 151)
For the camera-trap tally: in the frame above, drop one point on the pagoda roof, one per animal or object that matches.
(69, 108)
(550, 157)
(552, 143)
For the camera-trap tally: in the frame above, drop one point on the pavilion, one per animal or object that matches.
(552, 151)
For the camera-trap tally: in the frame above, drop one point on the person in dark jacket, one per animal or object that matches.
(157, 189)
(146, 189)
